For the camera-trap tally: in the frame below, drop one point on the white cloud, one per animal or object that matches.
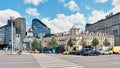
(101, 1)
(5, 14)
(62, 1)
(32, 11)
(34, 2)
(64, 23)
(71, 5)
(96, 15)
(116, 5)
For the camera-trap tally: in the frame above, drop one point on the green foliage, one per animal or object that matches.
(83, 42)
(105, 42)
(35, 44)
(70, 43)
(95, 42)
(53, 43)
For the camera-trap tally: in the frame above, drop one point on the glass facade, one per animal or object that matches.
(2, 34)
(8, 32)
(39, 28)
(19, 27)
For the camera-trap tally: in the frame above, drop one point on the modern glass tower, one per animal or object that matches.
(19, 27)
(39, 28)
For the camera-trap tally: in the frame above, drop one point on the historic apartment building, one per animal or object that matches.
(109, 25)
(76, 36)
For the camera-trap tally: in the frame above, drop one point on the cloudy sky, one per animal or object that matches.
(59, 15)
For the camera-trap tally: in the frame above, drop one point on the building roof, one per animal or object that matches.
(39, 22)
(107, 17)
(30, 30)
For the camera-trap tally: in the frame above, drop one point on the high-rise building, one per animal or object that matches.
(8, 31)
(19, 27)
(20, 24)
(109, 25)
(2, 34)
(39, 28)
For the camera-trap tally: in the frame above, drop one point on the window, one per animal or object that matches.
(115, 32)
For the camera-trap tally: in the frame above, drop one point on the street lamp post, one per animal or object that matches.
(41, 37)
(12, 37)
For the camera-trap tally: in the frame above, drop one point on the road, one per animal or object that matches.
(58, 61)
(102, 61)
(18, 61)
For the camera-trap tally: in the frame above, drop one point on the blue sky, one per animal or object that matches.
(59, 15)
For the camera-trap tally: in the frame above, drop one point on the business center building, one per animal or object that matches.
(109, 25)
(39, 28)
(5, 31)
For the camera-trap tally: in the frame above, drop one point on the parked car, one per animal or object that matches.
(82, 51)
(105, 52)
(92, 53)
(116, 50)
(65, 53)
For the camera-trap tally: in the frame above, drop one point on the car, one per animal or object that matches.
(82, 51)
(92, 53)
(105, 52)
(65, 53)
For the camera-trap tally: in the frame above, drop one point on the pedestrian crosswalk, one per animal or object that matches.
(47, 61)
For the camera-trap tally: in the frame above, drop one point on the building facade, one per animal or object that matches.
(109, 25)
(39, 28)
(2, 34)
(20, 24)
(19, 27)
(76, 36)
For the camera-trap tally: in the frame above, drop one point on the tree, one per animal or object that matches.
(105, 42)
(70, 43)
(95, 42)
(53, 43)
(83, 42)
(35, 44)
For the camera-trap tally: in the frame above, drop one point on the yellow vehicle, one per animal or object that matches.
(116, 49)
(65, 53)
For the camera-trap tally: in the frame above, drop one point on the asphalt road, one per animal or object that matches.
(58, 61)
(102, 61)
(17, 61)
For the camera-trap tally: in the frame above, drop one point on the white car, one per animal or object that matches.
(105, 52)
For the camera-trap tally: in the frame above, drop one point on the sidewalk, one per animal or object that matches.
(47, 61)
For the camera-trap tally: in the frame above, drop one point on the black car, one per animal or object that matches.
(91, 53)
(82, 51)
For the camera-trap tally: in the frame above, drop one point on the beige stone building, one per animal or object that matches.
(76, 36)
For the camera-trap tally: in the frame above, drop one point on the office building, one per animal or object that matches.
(2, 34)
(19, 27)
(20, 24)
(39, 28)
(109, 25)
